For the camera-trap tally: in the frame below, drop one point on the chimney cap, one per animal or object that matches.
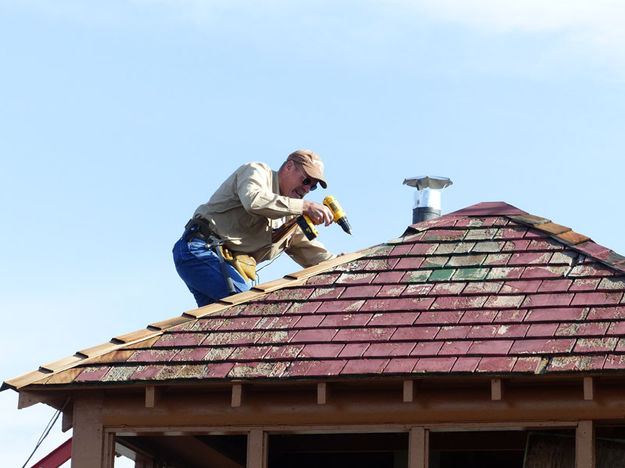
(433, 182)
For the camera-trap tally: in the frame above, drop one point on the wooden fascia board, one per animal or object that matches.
(456, 406)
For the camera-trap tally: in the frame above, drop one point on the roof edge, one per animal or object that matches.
(157, 328)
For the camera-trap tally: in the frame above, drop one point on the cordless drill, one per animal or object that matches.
(307, 226)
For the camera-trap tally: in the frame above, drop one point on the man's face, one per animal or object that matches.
(294, 182)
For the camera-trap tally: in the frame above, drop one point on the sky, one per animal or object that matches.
(119, 118)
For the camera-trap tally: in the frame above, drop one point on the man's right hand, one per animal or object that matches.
(318, 213)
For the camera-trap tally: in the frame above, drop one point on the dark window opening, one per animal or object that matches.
(378, 450)
(494, 449)
(190, 451)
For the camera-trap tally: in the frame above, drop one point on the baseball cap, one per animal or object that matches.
(311, 163)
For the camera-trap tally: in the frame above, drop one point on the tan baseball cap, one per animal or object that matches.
(311, 163)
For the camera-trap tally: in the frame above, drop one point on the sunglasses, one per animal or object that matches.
(308, 181)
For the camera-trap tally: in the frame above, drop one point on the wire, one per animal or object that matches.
(266, 265)
(46, 431)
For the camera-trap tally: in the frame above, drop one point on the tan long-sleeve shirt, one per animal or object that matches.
(248, 206)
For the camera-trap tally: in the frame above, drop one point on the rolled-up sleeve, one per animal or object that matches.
(255, 192)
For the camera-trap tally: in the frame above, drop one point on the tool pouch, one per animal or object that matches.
(244, 264)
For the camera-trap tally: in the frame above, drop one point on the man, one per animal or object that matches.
(249, 219)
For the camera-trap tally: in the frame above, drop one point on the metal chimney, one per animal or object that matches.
(427, 198)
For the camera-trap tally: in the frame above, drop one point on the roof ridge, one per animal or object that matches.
(578, 242)
(157, 328)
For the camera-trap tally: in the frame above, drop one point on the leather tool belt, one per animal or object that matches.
(200, 229)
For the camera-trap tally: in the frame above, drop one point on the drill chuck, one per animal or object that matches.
(345, 225)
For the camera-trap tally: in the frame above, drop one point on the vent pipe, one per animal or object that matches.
(427, 198)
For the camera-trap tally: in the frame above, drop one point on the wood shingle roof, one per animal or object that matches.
(488, 289)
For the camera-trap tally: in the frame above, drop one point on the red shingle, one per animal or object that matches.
(555, 314)
(249, 353)
(309, 307)
(479, 316)
(391, 290)
(434, 364)
(239, 323)
(459, 302)
(400, 365)
(409, 263)
(403, 249)
(340, 306)
(455, 348)
(439, 317)
(389, 277)
(501, 301)
(454, 332)
(542, 330)
(320, 368)
(399, 304)
(511, 232)
(544, 271)
(488, 347)
(583, 329)
(547, 300)
(360, 291)
(595, 345)
(537, 346)
(555, 285)
(417, 289)
(354, 350)
(447, 288)
(607, 313)
(389, 349)
(597, 298)
(393, 318)
(511, 315)
(528, 364)
(364, 334)
(530, 258)
(345, 320)
(314, 335)
(364, 366)
(614, 362)
(326, 293)
(310, 321)
(616, 328)
(426, 348)
(466, 364)
(496, 364)
(498, 273)
(322, 279)
(416, 333)
(356, 278)
(520, 287)
(443, 235)
(422, 248)
(575, 363)
(94, 374)
(323, 350)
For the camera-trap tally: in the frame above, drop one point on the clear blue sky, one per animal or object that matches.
(119, 117)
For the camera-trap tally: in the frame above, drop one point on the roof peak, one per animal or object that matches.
(489, 209)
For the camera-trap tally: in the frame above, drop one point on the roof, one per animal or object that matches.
(485, 290)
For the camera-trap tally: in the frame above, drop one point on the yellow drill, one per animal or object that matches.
(308, 227)
(339, 214)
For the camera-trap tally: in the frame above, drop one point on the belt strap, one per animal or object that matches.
(200, 228)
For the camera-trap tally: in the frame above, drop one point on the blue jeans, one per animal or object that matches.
(199, 268)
